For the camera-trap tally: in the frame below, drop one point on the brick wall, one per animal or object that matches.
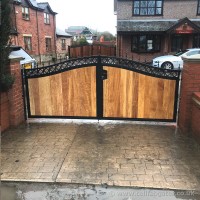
(59, 50)
(190, 84)
(38, 30)
(170, 11)
(195, 119)
(46, 30)
(12, 105)
(16, 104)
(28, 27)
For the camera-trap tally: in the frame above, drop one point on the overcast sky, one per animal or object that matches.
(95, 14)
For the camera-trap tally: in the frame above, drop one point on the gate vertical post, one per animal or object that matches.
(99, 88)
(24, 92)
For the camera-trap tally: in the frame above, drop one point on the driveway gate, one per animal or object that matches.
(102, 87)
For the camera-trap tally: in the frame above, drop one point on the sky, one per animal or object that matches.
(94, 14)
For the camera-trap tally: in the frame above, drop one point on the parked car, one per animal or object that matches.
(174, 61)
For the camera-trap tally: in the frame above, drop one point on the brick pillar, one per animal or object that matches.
(5, 122)
(190, 84)
(195, 119)
(15, 95)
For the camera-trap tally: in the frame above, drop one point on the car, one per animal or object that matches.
(174, 61)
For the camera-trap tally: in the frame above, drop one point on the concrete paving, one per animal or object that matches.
(119, 154)
(65, 191)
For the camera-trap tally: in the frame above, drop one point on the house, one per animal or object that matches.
(80, 31)
(146, 29)
(34, 28)
(63, 41)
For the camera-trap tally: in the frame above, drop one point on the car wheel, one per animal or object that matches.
(167, 65)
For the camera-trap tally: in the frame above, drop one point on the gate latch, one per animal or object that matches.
(104, 74)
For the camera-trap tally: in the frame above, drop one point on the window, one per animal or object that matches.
(63, 44)
(147, 7)
(25, 13)
(191, 53)
(46, 18)
(196, 41)
(146, 43)
(27, 43)
(198, 8)
(48, 44)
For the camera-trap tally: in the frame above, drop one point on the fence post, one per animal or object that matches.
(92, 50)
(69, 51)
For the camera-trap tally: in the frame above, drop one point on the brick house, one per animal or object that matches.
(80, 31)
(63, 41)
(34, 28)
(149, 28)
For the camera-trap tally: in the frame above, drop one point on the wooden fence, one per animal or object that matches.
(91, 50)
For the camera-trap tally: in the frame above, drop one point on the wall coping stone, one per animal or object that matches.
(15, 58)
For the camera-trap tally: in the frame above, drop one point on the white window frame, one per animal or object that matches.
(25, 13)
(46, 18)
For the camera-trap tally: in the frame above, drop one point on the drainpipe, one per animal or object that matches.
(54, 24)
(38, 36)
(16, 38)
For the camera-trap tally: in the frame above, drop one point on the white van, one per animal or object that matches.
(28, 62)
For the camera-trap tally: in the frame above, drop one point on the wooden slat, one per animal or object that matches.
(129, 94)
(71, 93)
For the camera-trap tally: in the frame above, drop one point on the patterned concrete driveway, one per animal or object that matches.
(120, 154)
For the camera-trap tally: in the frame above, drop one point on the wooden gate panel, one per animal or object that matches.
(156, 97)
(71, 93)
(129, 94)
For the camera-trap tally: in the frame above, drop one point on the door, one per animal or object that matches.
(177, 43)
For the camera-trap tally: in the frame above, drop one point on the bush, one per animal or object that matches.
(7, 81)
(80, 42)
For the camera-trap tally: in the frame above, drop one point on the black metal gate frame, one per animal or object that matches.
(99, 62)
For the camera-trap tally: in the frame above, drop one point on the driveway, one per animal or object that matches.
(119, 154)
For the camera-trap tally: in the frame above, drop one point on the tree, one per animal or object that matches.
(107, 36)
(6, 80)
(80, 42)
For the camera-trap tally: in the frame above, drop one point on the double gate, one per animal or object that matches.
(101, 87)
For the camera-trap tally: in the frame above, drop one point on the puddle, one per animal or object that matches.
(41, 191)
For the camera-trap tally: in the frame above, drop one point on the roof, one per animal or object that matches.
(144, 26)
(153, 26)
(19, 52)
(44, 6)
(76, 28)
(62, 33)
(73, 30)
(38, 6)
(34, 3)
(186, 21)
